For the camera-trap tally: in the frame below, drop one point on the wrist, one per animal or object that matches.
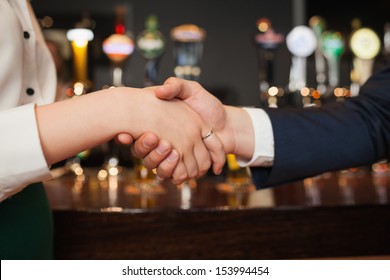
(112, 103)
(238, 133)
(124, 104)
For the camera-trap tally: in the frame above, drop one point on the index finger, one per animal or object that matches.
(144, 145)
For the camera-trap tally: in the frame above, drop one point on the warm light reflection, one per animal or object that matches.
(112, 190)
(263, 24)
(78, 89)
(316, 21)
(280, 91)
(316, 94)
(187, 70)
(338, 92)
(305, 91)
(80, 35)
(195, 71)
(79, 171)
(179, 71)
(342, 92)
(381, 167)
(113, 171)
(345, 181)
(272, 91)
(112, 209)
(188, 33)
(144, 172)
(312, 190)
(102, 175)
(47, 22)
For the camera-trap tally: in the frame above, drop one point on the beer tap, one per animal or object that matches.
(318, 25)
(332, 46)
(301, 42)
(188, 50)
(79, 37)
(151, 44)
(365, 45)
(267, 42)
(118, 47)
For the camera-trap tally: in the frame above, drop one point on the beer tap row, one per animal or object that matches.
(326, 47)
(312, 42)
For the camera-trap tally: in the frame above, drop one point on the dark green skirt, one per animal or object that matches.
(26, 225)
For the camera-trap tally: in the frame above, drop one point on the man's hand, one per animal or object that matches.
(202, 102)
(155, 153)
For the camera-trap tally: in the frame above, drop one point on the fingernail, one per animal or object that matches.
(217, 170)
(148, 143)
(163, 147)
(173, 156)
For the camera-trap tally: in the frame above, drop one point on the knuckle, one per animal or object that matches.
(134, 151)
(163, 172)
(148, 163)
(205, 166)
(181, 177)
(193, 174)
(171, 79)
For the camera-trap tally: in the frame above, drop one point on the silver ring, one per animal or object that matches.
(208, 135)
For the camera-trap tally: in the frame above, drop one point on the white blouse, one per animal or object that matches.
(27, 77)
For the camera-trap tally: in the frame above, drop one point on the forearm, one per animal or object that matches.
(314, 140)
(69, 127)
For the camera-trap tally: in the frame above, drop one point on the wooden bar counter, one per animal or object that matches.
(336, 215)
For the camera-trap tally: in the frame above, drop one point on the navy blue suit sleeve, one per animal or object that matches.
(310, 141)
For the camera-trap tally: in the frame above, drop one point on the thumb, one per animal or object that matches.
(124, 138)
(175, 88)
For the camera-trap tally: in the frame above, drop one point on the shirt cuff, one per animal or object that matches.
(22, 160)
(264, 152)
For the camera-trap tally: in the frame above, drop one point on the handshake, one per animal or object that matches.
(184, 130)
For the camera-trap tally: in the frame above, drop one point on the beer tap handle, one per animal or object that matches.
(301, 42)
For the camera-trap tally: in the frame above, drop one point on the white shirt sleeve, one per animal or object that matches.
(264, 153)
(27, 78)
(22, 160)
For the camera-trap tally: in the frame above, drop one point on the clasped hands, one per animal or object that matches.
(218, 136)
